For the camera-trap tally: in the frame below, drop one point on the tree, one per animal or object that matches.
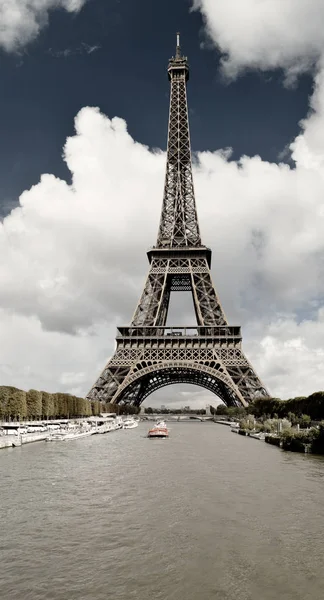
(304, 421)
(222, 410)
(248, 422)
(318, 441)
(96, 408)
(47, 405)
(34, 404)
(315, 406)
(4, 402)
(266, 406)
(292, 418)
(270, 425)
(14, 402)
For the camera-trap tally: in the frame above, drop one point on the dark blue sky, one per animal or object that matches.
(42, 90)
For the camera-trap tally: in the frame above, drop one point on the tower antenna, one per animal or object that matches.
(178, 50)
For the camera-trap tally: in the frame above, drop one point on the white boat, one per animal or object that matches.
(105, 428)
(118, 421)
(130, 423)
(159, 430)
(257, 435)
(66, 436)
(109, 424)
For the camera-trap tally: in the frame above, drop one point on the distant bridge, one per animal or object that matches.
(168, 417)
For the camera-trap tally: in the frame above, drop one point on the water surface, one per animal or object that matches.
(203, 515)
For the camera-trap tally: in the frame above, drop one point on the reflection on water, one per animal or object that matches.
(205, 514)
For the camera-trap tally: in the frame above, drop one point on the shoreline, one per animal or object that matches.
(13, 437)
(296, 445)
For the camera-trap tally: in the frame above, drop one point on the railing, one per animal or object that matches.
(225, 331)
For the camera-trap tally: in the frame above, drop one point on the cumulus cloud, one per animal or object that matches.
(80, 237)
(265, 34)
(22, 20)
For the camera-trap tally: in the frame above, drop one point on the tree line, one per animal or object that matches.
(174, 411)
(302, 408)
(16, 404)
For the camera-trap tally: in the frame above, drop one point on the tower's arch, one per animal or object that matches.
(148, 378)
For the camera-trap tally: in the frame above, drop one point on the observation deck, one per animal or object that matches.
(181, 337)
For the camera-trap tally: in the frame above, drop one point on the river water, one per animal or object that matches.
(203, 515)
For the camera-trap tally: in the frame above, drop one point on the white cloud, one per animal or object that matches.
(33, 358)
(82, 49)
(79, 238)
(265, 34)
(22, 20)
(292, 355)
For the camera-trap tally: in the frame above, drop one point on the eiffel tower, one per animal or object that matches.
(149, 355)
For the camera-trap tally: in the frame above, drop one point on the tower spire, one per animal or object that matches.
(178, 49)
(179, 223)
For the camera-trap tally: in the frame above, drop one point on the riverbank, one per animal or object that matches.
(305, 441)
(13, 441)
(13, 435)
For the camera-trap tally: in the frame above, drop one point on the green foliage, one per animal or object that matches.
(47, 405)
(292, 418)
(17, 404)
(248, 423)
(296, 441)
(175, 411)
(34, 403)
(121, 409)
(285, 424)
(318, 441)
(12, 403)
(222, 409)
(96, 408)
(270, 426)
(4, 402)
(304, 421)
(301, 410)
(232, 412)
(265, 407)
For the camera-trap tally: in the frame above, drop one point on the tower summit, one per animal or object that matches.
(179, 223)
(149, 355)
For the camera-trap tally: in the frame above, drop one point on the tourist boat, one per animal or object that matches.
(159, 430)
(65, 436)
(118, 423)
(130, 423)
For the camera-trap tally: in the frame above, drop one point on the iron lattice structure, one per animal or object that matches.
(150, 355)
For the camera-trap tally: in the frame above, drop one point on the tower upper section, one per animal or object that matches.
(178, 63)
(179, 223)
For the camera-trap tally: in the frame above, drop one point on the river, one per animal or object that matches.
(203, 515)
